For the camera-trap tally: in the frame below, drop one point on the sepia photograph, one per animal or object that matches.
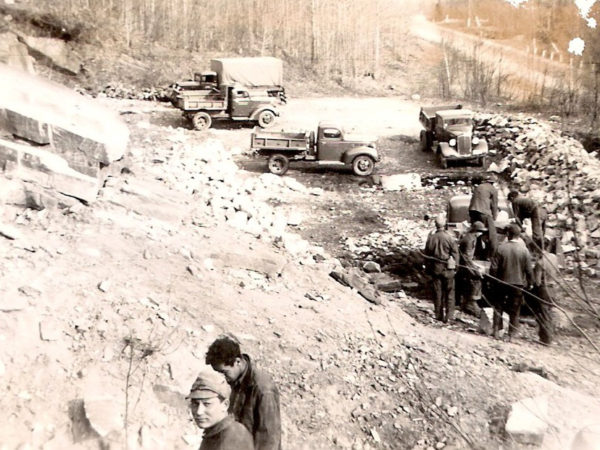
(299, 225)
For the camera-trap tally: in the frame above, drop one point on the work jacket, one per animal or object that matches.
(526, 208)
(485, 200)
(440, 246)
(227, 435)
(254, 402)
(512, 264)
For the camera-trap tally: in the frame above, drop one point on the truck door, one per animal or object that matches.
(240, 103)
(330, 146)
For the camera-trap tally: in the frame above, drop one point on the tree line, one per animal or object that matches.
(344, 37)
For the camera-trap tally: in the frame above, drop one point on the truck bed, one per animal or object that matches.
(281, 140)
(200, 99)
(428, 112)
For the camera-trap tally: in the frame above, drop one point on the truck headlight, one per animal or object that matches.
(452, 142)
(475, 140)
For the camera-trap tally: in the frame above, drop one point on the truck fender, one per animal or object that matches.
(445, 149)
(482, 146)
(256, 113)
(356, 151)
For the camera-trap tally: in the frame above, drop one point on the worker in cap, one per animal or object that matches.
(209, 402)
(441, 252)
(484, 208)
(468, 278)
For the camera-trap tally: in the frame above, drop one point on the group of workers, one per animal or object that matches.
(235, 403)
(519, 271)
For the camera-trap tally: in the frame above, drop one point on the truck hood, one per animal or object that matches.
(360, 138)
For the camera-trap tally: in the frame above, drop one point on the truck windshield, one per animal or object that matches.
(458, 121)
(331, 133)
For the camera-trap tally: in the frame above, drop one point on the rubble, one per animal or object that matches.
(553, 169)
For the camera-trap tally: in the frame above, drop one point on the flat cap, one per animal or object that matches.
(478, 226)
(208, 384)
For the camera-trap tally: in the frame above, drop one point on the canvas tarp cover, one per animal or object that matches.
(262, 71)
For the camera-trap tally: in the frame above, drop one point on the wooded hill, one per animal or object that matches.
(345, 37)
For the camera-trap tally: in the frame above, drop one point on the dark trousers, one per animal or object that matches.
(509, 299)
(443, 295)
(540, 301)
(468, 291)
(538, 226)
(488, 221)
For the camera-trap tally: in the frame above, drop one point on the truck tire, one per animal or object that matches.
(266, 118)
(201, 121)
(423, 141)
(443, 161)
(278, 164)
(363, 165)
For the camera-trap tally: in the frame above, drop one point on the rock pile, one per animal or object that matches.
(557, 172)
(162, 94)
(229, 196)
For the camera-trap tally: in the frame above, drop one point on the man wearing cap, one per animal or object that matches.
(484, 208)
(254, 400)
(441, 254)
(209, 401)
(511, 265)
(526, 208)
(469, 277)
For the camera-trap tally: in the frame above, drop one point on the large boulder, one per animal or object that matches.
(83, 134)
(14, 53)
(54, 52)
(46, 169)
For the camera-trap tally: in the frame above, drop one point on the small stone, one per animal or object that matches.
(104, 286)
(10, 303)
(48, 333)
(375, 435)
(371, 267)
(147, 254)
(208, 328)
(452, 411)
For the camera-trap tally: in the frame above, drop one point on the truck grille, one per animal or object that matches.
(464, 145)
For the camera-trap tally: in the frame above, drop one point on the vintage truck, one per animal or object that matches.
(330, 145)
(246, 89)
(449, 132)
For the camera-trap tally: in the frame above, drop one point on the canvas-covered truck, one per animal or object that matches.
(330, 145)
(240, 89)
(449, 132)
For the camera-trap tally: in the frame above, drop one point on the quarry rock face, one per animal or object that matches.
(65, 139)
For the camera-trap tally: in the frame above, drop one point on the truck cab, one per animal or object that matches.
(335, 145)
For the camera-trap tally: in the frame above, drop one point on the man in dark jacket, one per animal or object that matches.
(526, 208)
(468, 278)
(512, 266)
(209, 401)
(484, 208)
(442, 256)
(254, 397)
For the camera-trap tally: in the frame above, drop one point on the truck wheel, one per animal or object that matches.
(278, 164)
(363, 165)
(201, 121)
(423, 141)
(266, 119)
